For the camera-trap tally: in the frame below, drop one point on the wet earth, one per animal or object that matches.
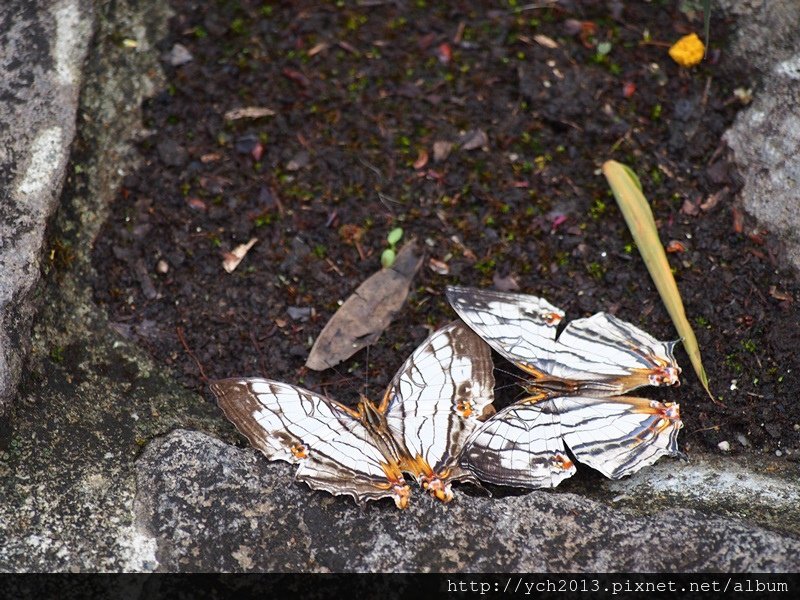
(479, 130)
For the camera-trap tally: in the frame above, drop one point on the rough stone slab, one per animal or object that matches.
(205, 505)
(765, 137)
(89, 400)
(42, 48)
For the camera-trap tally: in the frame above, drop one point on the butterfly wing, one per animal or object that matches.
(614, 354)
(520, 446)
(523, 445)
(334, 449)
(618, 435)
(520, 327)
(601, 355)
(436, 400)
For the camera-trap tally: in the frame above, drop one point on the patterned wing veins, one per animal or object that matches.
(436, 400)
(334, 449)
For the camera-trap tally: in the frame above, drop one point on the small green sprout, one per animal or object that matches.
(388, 256)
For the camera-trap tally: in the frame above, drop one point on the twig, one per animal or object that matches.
(190, 353)
(704, 99)
(333, 266)
(372, 168)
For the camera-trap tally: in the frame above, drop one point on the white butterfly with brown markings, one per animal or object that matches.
(429, 410)
(575, 386)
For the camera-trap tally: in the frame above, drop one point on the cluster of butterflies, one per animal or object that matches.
(436, 421)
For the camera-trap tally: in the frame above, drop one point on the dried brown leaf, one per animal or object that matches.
(441, 150)
(318, 48)
(438, 266)
(545, 41)
(675, 246)
(231, 260)
(738, 220)
(474, 139)
(362, 318)
(780, 295)
(713, 200)
(690, 208)
(422, 159)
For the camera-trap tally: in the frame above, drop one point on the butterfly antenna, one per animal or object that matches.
(340, 379)
(515, 374)
(506, 386)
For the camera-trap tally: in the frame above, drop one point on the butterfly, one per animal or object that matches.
(428, 411)
(575, 392)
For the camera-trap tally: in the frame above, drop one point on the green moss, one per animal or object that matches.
(596, 270)
(597, 209)
(238, 26)
(354, 22)
(749, 345)
(398, 23)
(732, 362)
(57, 354)
(263, 220)
(656, 176)
(655, 112)
(486, 266)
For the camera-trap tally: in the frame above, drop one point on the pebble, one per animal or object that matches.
(724, 445)
(179, 55)
(743, 440)
(299, 313)
(162, 267)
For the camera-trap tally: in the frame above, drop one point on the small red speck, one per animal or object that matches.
(675, 246)
(557, 221)
(444, 53)
(628, 89)
(196, 204)
(738, 220)
(257, 152)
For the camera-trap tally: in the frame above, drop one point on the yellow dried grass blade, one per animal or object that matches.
(636, 210)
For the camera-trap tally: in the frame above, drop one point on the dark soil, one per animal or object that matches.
(361, 92)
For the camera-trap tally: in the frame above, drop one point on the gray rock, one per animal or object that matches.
(41, 52)
(299, 313)
(90, 400)
(205, 505)
(766, 136)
